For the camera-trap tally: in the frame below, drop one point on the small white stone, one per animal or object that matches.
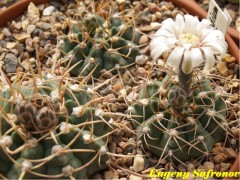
(6, 32)
(48, 11)
(141, 59)
(138, 163)
(30, 28)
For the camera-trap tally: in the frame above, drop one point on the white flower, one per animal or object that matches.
(189, 40)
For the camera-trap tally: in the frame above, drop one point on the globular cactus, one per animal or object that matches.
(52, 128)
(94, 43)
(176, 127)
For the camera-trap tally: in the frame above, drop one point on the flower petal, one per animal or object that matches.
(197, 58)
(218, 47)
(170, 26)
(209, 58)
(203, 27)
(212, 35)
(165, 33)
(157, 41)
(187, 64)
(191, 23)
(175, 57)
(180, 24)
(158, 51)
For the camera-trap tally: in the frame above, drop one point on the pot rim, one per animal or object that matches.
(191, 6)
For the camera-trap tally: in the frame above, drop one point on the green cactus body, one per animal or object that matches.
(179, 133)
(47, 135)
(100, 43)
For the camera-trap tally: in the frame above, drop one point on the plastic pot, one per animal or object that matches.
(232, 36)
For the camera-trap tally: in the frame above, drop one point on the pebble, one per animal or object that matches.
(219, 158)
(208, 165)
(18, 25)
(10, 45)
(134, 177)
(222, 68)
(25, 24)
(235, 131)
(155, 25)
(143, 39)
(141, 59)
(228, 58)
(44, 25)
(182, 168)
(230, 153)
(224, 167)
(110, 175)
(33, 12)
(190, 167)
(11, 63)
(6, 32)
(26, 65)
(138, 163)
(21, 37)
(31, 28)
(48, 11)
(218, 150)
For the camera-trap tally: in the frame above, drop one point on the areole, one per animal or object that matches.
(232, 36)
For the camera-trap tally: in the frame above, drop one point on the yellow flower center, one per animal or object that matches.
(188, 40)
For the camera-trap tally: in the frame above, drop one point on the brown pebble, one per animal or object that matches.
(230, 153)
(219, 158)
(218, 150)
(222, 68)
(143, 39)
(21, 37)
(117, 86)
(236, 132)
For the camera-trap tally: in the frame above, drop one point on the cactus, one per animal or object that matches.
(174, 126)
(95, 43)
(51, 128)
